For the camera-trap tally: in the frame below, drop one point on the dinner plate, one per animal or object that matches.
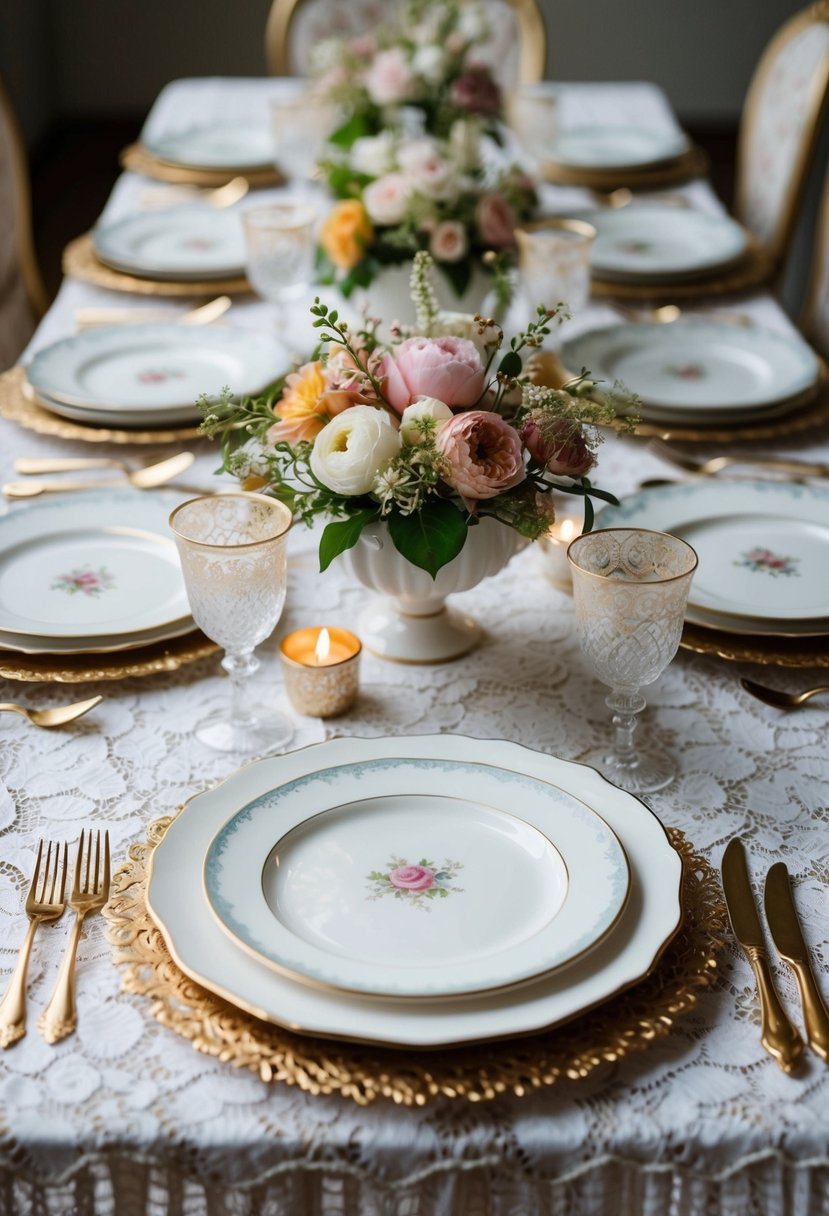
(94, 565)
(697, 365)
(381, 877)
(654, 243)
(616, 147)
(129, 417)
(223, 145)
(154, 371)
(177, 243)
(763, 546)
(28, 644)
(178, 903)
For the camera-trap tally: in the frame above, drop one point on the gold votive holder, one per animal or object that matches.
(321, 670)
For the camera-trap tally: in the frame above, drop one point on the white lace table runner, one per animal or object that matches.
(126, 1115)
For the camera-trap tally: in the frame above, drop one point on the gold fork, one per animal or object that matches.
(90, 891)
(45, 901)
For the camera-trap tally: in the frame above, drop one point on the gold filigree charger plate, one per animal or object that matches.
(81, 262)
(18, 405)
(141, 661)
(137, 159)
(628, 1023)
(691, 163)
(753, 269)
(764, 651)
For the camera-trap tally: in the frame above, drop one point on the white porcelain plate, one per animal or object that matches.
(178, 243)
(655, 242)
(763, 546)
(697, 365)
(391, 876)
(178, 904)
(145, 370)
(93, 565)
(616, 147)
(224, 145)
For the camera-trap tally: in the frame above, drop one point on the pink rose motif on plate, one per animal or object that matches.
(158, 375)
(763, 561)
(417, 884)
(199, 244)
(686, 371)
(84, 580)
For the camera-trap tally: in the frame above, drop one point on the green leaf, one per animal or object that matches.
(345, 135)
(343, 534)
(589, 514)
(443, 893)
(511, 364)
(431, 537)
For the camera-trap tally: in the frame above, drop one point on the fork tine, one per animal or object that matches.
(33, 883)
(105, 877)
(94, 887)
(88, 861)
(76, 879)
(64, 872)
(41, 898)
(55, 872)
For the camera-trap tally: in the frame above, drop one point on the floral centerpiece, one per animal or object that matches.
(429, 434)
(431, 61)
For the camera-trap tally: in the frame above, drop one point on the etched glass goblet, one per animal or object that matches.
(280, 240)
(233, 556)
(630, 587)
(554, 262)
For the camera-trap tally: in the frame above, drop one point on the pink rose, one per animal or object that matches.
(363, 45)
(562, 447)
(387, 198)
(476, 92)
(447, 368)
(484, 454)
(448, 242)
(85, 580)
(496, 221)
(412, 878)
(389, 79)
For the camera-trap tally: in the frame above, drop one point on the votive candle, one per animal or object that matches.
(321, 669)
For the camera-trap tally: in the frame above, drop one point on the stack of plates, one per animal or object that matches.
(95, 572)
(351, 890)
(698, 372)
(662, 245)
(151, 375)
(233, 146)
(616, 147)
(179, 244)
(763, 551)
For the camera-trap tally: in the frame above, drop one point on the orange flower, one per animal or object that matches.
(346, 234)
(307, 405)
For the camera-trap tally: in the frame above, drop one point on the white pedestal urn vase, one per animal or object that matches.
(412, 623)
(389, 295)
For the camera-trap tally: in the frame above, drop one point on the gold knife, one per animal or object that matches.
(777, 1035)
(788, 938)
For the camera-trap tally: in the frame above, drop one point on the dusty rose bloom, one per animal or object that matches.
(412, 878)
(562, 448)
(447, 368)
(389, 79)
(483, 452)
(448, 242)
(496, 220)
(476, 92)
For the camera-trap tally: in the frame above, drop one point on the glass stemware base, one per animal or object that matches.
(648, 770)
(262, 732)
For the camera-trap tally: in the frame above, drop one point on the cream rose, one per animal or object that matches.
(424, 407)
(386, 199)
(448, 242)
(353, 448)
(373, 154)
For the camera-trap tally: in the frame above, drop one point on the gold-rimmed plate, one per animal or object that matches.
(143, 661)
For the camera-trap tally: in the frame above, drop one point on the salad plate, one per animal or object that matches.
(178, 903)
(763, 548)
(641, 242)
(378, 877)
(153, 372)
(616, 147)
(178, 243)
(697, 368)
(95, 566)
(222, 145)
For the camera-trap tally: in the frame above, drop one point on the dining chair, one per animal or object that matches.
(22, 295)
(780, 126)
(814, 317)
(517, 47)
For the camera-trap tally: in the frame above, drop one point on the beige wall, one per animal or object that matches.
(112, 56)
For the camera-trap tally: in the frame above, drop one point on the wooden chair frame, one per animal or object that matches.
(27, 260)
(779, 242)
(532, 35)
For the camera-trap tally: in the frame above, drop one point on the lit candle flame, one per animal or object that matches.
(323, 646)
(568, 530)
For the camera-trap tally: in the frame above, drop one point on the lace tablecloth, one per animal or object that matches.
(126, 1116)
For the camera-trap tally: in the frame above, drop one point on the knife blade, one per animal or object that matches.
(777, 1034)
(788, 938)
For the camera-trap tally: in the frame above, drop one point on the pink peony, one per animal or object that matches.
(496, 221)
(476, 92)
(412, 878)
(484, 454)
(563, 450)
(448, 242)
(447, 368)
(389, 79)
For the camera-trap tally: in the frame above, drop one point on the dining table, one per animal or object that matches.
(125, 1117)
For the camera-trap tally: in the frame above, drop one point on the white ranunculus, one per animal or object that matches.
(387, 199)
(373, 154)
(424, 407)
(429, 62)
(353, 448)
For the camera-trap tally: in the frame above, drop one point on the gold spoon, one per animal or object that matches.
(205, 314)
(143, 479)
(59, 716)
(707, 468)
(780, 699)
(222, 196)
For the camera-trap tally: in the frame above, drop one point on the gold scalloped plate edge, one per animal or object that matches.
(764, 651)
(626, 1023)
(81, 262)
(157, 659)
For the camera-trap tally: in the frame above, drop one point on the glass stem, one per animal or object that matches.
(625, 704)
(240, 667)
